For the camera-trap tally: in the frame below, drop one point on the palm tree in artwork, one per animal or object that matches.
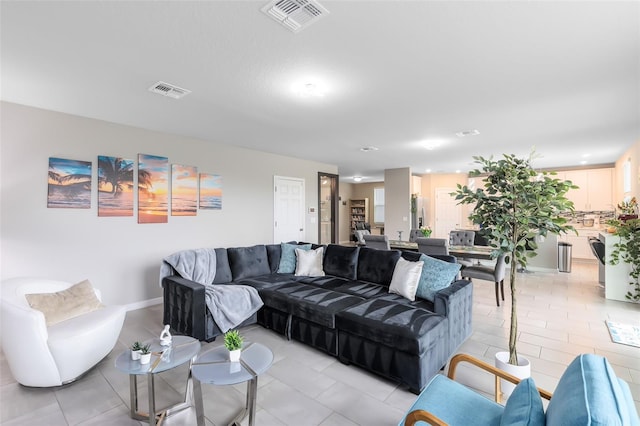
(117, 172)
(82, 180)
(145, 181)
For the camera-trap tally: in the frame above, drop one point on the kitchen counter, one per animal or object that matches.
(616, 277)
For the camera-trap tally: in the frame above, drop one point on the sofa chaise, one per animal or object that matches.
(346, 310)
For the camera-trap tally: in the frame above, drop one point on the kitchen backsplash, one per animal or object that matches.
(579, 216)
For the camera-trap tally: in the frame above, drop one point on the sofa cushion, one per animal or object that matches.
(74, 301)
(288, 257)
(589, 393)
(362, 289)
(436, 275)
(309, 262)
(223, 270)
(314, 304)
(405, 278)
(341, 261)
(402, 327)
(377, 266)
(273, 254)
(524, 406)
(247, 262)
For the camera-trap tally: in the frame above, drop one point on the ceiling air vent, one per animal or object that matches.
(169, 90)
(295, 14)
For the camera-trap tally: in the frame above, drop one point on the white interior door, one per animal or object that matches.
(448, 213)
(288, 195)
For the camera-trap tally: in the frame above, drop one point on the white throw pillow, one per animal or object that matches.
(406, 276)
(309, 262)
(77, 300)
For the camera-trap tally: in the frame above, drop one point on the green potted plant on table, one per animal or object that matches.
(145, 354)
(517, 205)
(135, 350)
(426, 231)
(233, 342)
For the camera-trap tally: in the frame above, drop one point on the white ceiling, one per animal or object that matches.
(562, 76)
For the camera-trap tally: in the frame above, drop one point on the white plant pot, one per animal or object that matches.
(145, 358)
(135, 355)
(234, 356)
(521, 371)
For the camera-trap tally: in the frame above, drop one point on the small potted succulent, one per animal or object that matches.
(233, 343)
(426, 231)
(145, 354)
(135, 350)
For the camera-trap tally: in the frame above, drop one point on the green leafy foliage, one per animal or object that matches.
(136, 346)
(628, 251)
(233, 340)
(516, 205)
(146, 349)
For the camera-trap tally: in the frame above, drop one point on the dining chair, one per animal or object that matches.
(432, 245)
(462, 238)
(494, 273)
(380, 242)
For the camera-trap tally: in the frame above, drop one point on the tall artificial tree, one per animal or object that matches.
(516, 205)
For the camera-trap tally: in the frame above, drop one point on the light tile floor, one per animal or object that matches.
(560, 315)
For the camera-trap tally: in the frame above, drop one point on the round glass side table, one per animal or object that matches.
(183, 349)
(213, 367)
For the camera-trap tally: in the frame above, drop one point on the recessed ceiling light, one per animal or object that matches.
(357, 178)
(427, 170)
(464, 133)
(583, 162)
(586, 155)
(310, 89)
(368, 149)
(432, 144)
(458, 171)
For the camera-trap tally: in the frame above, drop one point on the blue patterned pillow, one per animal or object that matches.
(288, 257)
(436, 275)
(524, 406)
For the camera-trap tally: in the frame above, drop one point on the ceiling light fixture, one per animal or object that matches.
(311, 90)
(357, 178)
(432, 144)
(464, 133)
(427, 170)
(368, 149)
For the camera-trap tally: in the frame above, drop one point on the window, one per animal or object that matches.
(378, 205)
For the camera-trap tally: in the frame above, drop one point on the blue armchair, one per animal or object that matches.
(588, 393)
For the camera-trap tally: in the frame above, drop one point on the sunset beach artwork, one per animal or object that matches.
(210, 191)
(184, 190)
(69, 184)
(153, 188)
(115, 186)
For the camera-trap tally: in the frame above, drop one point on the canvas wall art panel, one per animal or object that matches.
(69, 184)
(153, 189)
(184, 190)
(115, 186)
(210, 191)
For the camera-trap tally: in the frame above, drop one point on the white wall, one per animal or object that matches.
(397, 202)
(118, 255)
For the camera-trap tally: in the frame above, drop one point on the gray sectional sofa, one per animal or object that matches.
(348, 312)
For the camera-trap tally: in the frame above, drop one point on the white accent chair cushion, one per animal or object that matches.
(42, 356)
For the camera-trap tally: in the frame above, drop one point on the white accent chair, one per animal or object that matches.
(42, 356)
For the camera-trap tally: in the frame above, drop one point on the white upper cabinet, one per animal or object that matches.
(595, 192)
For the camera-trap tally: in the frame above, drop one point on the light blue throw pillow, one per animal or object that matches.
(436, 275)
(288, 257)
(524, 406)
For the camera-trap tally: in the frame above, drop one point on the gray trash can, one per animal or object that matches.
(564, 256)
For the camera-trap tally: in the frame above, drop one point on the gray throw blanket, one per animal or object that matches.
(229, 305)
(197, 265)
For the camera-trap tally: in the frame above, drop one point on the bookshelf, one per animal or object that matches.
(358, 212)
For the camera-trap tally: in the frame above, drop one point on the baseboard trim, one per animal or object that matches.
(144, 304)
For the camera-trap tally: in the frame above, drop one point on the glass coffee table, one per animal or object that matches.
(213, 367)
(183, 349)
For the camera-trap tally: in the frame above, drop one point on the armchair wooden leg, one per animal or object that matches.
(502, 288)
(498, 294)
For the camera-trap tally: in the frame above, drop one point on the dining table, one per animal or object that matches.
(467, 252)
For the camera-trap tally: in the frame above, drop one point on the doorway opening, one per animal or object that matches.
(328, 208)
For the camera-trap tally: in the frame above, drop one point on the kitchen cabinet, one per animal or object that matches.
(595, 192)
(580, 243)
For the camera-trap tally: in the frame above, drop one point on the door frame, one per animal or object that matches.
(335, 207)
